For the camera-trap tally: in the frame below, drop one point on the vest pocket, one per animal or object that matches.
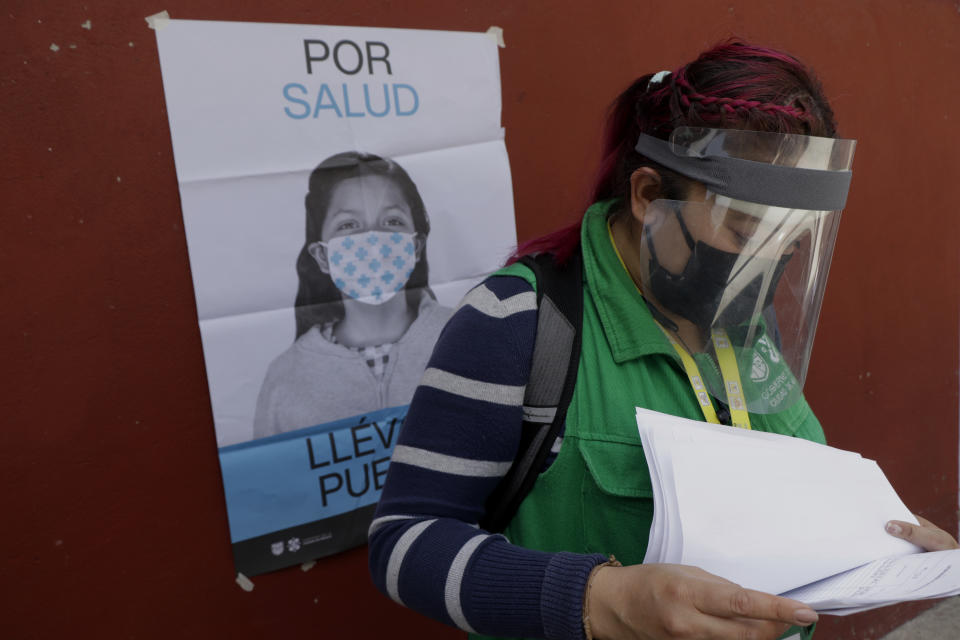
(617, 499)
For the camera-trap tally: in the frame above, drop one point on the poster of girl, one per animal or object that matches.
(366, 318)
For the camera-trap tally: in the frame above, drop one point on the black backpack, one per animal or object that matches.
(553, 374)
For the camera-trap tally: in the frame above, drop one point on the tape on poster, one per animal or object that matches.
(158, 20)
(496, 34)
(245, 583)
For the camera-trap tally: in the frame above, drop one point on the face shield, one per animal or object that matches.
(736, 272)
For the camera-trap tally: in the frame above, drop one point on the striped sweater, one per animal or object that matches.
(459, 439)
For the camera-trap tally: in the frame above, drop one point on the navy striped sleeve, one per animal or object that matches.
(461, 434)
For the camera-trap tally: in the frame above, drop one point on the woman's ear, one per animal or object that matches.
(644, 188)
(319, 253)
(419, 243)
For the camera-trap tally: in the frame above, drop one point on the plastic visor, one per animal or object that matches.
(746, 255)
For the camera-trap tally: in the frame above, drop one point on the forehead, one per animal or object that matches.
(365, 192)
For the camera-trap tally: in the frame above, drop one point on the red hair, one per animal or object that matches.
(734, 85)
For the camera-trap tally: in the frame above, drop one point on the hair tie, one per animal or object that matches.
(657, 78)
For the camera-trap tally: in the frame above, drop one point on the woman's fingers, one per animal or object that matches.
(736, 602)
(718, 628)
(926, 535)
(663, 601)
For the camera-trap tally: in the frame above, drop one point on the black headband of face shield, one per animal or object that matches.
(759, 182)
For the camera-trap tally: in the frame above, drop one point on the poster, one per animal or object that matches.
(341, 188)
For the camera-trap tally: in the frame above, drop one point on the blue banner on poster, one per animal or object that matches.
(309, 474)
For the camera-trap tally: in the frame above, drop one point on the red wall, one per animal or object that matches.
(114, 521)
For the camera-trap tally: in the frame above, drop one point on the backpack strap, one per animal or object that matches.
(553, 375)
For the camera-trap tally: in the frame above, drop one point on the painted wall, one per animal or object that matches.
(114, 518)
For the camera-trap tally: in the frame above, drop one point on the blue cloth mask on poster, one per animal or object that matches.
(372, 266)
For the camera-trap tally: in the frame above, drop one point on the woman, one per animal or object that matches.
(366, 319)
(699, 251)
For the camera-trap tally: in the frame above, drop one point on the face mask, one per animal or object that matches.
(372, 266)
(695, 294)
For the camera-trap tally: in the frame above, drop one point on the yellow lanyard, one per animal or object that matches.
(725, 357)
(728, 370)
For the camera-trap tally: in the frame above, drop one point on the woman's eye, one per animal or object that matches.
(737, 239)
(347, 225)
(741, 234)
(394, 221)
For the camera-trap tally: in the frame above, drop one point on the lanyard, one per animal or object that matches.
(725, 357)
(728, 370)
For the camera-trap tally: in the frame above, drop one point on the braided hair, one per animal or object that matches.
(733, 85)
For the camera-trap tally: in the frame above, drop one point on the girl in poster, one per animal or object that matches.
(366, 318)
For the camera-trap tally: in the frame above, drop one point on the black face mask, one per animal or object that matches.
(695, 294)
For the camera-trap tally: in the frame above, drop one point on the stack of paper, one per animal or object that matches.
(776, 513)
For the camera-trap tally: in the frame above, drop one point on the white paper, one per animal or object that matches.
(776, 513)
(243, 157)
(803, 515)
(919, 576)
(224, 86)
(256, 113)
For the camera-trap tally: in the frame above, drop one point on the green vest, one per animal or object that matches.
(597, 496)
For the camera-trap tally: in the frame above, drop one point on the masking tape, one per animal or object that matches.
(245, 583)
(496, 34)
(306, 566)
(158, 20)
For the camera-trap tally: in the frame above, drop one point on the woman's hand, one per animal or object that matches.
(926, 534)
(660, 601)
